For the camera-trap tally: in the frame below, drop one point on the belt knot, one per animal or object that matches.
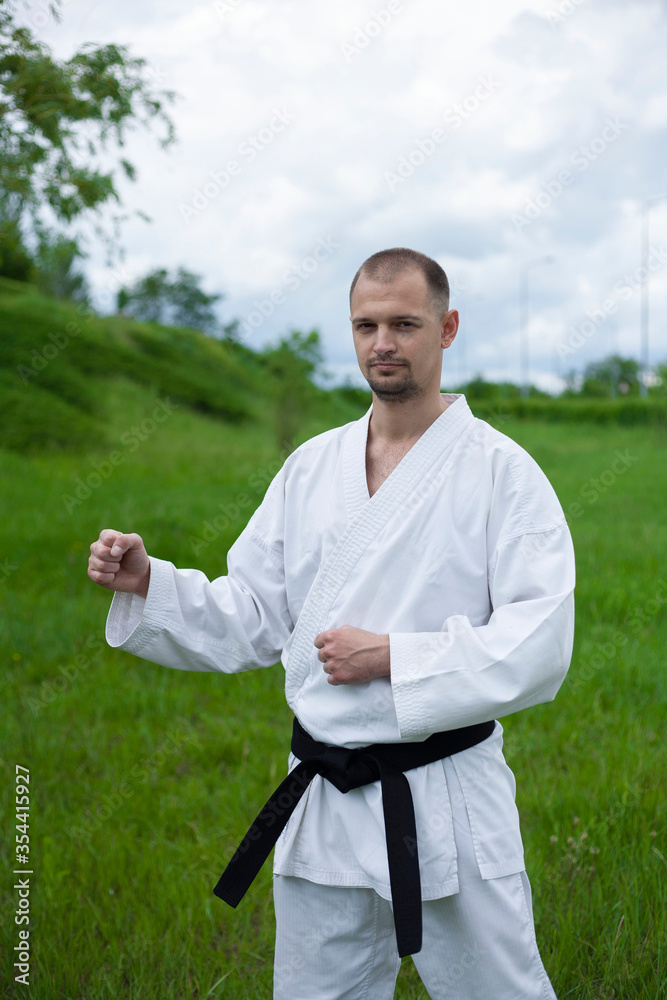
(347, 769)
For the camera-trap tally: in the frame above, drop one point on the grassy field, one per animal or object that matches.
(143, 780)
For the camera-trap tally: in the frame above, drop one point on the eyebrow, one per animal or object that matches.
(365, 319)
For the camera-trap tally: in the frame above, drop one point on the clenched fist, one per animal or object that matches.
(352, 655)
(120, 562)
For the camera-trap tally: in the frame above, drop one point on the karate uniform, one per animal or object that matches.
(463, 556)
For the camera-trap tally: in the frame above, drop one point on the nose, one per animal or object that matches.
(385, 341)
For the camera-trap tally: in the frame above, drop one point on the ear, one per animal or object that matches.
(449, 328)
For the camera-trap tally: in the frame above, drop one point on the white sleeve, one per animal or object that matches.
(468, 673)
(236, 622)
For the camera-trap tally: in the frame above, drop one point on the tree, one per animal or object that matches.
(612, 376)
(57, 119)
(54, 270)
(478, 389)
(172, 301)
(293, 362)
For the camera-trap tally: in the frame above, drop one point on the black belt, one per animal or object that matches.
(347, 769)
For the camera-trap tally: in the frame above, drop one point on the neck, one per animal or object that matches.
(396, 421)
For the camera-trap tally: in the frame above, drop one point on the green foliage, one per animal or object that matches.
(660, 388)
(172, 301)
(625, 412)
(58, 121)
(612, 376)
(15, 261)
(292, 363)
(297, 351)
(54, 267)
(479, 390)
(354, 394)
(216, 390)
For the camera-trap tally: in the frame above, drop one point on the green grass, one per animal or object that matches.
(178, 763)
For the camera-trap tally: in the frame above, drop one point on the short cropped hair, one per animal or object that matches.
(386, 265)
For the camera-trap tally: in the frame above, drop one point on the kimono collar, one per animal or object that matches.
(435, 438)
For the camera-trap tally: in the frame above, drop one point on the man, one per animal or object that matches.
(414, 571)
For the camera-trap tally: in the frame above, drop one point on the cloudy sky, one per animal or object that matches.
(489, 135)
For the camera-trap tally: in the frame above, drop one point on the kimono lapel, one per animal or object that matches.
(367, 516)
(354, 467)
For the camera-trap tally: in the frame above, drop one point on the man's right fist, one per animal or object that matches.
(120, 562)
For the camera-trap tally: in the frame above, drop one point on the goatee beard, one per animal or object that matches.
(397, 392)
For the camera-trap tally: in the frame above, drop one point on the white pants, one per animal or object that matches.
(337, 943)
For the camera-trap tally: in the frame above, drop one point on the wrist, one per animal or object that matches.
(385, 658)
(142, 587)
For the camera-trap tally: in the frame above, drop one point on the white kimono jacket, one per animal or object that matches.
(463, 556)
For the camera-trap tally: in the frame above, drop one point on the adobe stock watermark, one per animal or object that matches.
(431, 484)
(487, 767)
(581, 159)
(597, 486)
(624, 289)
(340, 917)
(635, 620)
(291, 280)
(565, 9)
(247, 151)
(110, 802)
(131, 440)
(423, 149)
(67, 674)
(6, 569)
(382, 702)
(284, 802)
(365, 33)
(57, 341)
(225, 7)
(231, 512)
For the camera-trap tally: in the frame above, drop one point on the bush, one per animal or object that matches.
(626, 412)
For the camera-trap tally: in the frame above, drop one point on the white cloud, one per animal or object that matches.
(355, 118)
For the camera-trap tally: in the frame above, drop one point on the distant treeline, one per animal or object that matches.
(625, 411)
(607, 392)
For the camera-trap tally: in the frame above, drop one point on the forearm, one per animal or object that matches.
(188, 623)
(463, 675)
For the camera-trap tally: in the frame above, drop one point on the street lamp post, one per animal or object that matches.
(646, 208)
(523, 318)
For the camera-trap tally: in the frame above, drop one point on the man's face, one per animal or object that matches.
(399, 337)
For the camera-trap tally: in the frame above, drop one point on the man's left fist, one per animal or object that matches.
(353, 656)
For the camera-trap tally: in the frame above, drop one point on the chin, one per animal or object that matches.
(390, 389)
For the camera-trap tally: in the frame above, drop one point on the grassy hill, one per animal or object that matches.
(60, 364)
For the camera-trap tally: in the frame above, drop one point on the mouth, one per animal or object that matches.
(386, 366)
